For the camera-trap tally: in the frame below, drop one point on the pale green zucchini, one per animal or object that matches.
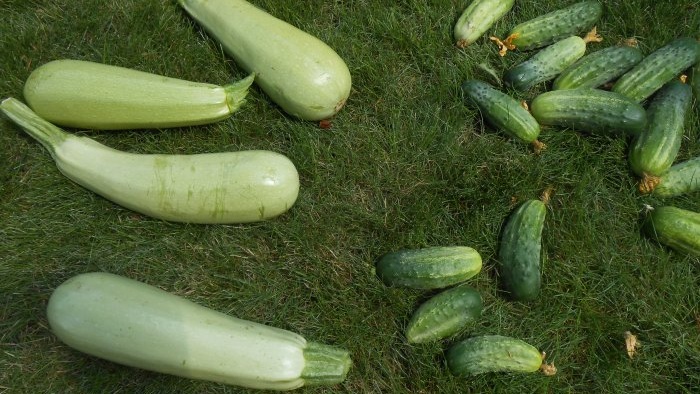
(89, 95)
(477, 18)
(299, 72)
(229, 187)
(135, 324)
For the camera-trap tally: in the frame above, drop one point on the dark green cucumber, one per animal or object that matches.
(654, 149)
(681, 178)
(676, 228)
(519, 253)
(444, 314)
(695, 81)
(658, 68)
(592, 110)
(492, 353)
(477, 18)
(501, 110)
(598, 68)
(429, 268)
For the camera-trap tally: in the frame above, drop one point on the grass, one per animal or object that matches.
(405, 165)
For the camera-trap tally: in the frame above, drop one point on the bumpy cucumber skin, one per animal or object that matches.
(477, 18)
(501, 110)
(492, 353)
(598, 68)
(658, 68)
(556, 25)
(656, 147)
(546, 64)
(676, 228)
(519, 253)
(429, 268)
(592, 110)
(681, 178)
(444, 314)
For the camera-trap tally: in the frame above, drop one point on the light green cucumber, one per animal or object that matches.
(598, 68)
(492, 353)
(681, 178)
(676, 228)
(477, 18)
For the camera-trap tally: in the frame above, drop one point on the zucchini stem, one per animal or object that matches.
(46, 133)
(237, 91)
(324, 364)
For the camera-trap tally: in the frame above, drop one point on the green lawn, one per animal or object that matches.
(405, 165)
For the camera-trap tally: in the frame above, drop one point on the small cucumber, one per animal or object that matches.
(681, 178)
(492, 353)
(658, 68)
(429, 268)
(477, 18)
(519, 253)
(502, 111)
(591, 110)
(675, 227)
(599, 68)
(444, 314)
(656, 147)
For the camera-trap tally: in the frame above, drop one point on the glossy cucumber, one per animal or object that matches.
(600, 67)
(675, 227)
(492, 353)
(681, 178)
(591, 110)
(658, 68)
(519, 253)
(444, 314)
(429, 268)
(477, 18)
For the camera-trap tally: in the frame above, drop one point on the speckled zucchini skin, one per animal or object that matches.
(444, 314)
(600, 67)
(556, 25)
(519, 252)
(501, 110)
(658, 68)
(675, 227)
(546, 64)
(656, 147)
(592, 110)
(429, 268)
(681, 178)
(492, 353)
(477, 18)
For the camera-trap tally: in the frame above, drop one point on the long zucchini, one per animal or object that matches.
(477, 18)
(132, 323)
(230, 187)
(599, 68)
(676, 228)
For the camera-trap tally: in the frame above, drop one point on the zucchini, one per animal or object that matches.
(492, 353)
(444, 314)
(519, 252)
(548, 63)
(227, 187)
(477, 18)
(592, 110)
(132, 323)
(299, 72)
(598, 68)
(681, 178)
(429, 268)
(658, 68)
(89, 95)
(655, 149)
(676, 228)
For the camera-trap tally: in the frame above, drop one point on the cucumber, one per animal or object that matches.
(547, 64)
(519, 252)
(598, 68)
(676, 228)
(429, 268)
(654, 150)
(592, 110)
(492, 353)
(477, 18)
(444, 314)
(658, 68)
(695, 81)
(681, 178)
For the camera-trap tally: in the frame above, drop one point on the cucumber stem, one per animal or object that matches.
(325, 364)
(505, 45)
(592, 36)
(648, 183)
(237, 91)
(46, 133)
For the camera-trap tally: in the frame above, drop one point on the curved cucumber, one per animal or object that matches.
(598, 68)
(519, 253)
(429, 268)
(492, 353)
(501, 110)
(477, 18)
(676, 228)
(658, 68)
(681, 178)
(592, 110)
(444, 314)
